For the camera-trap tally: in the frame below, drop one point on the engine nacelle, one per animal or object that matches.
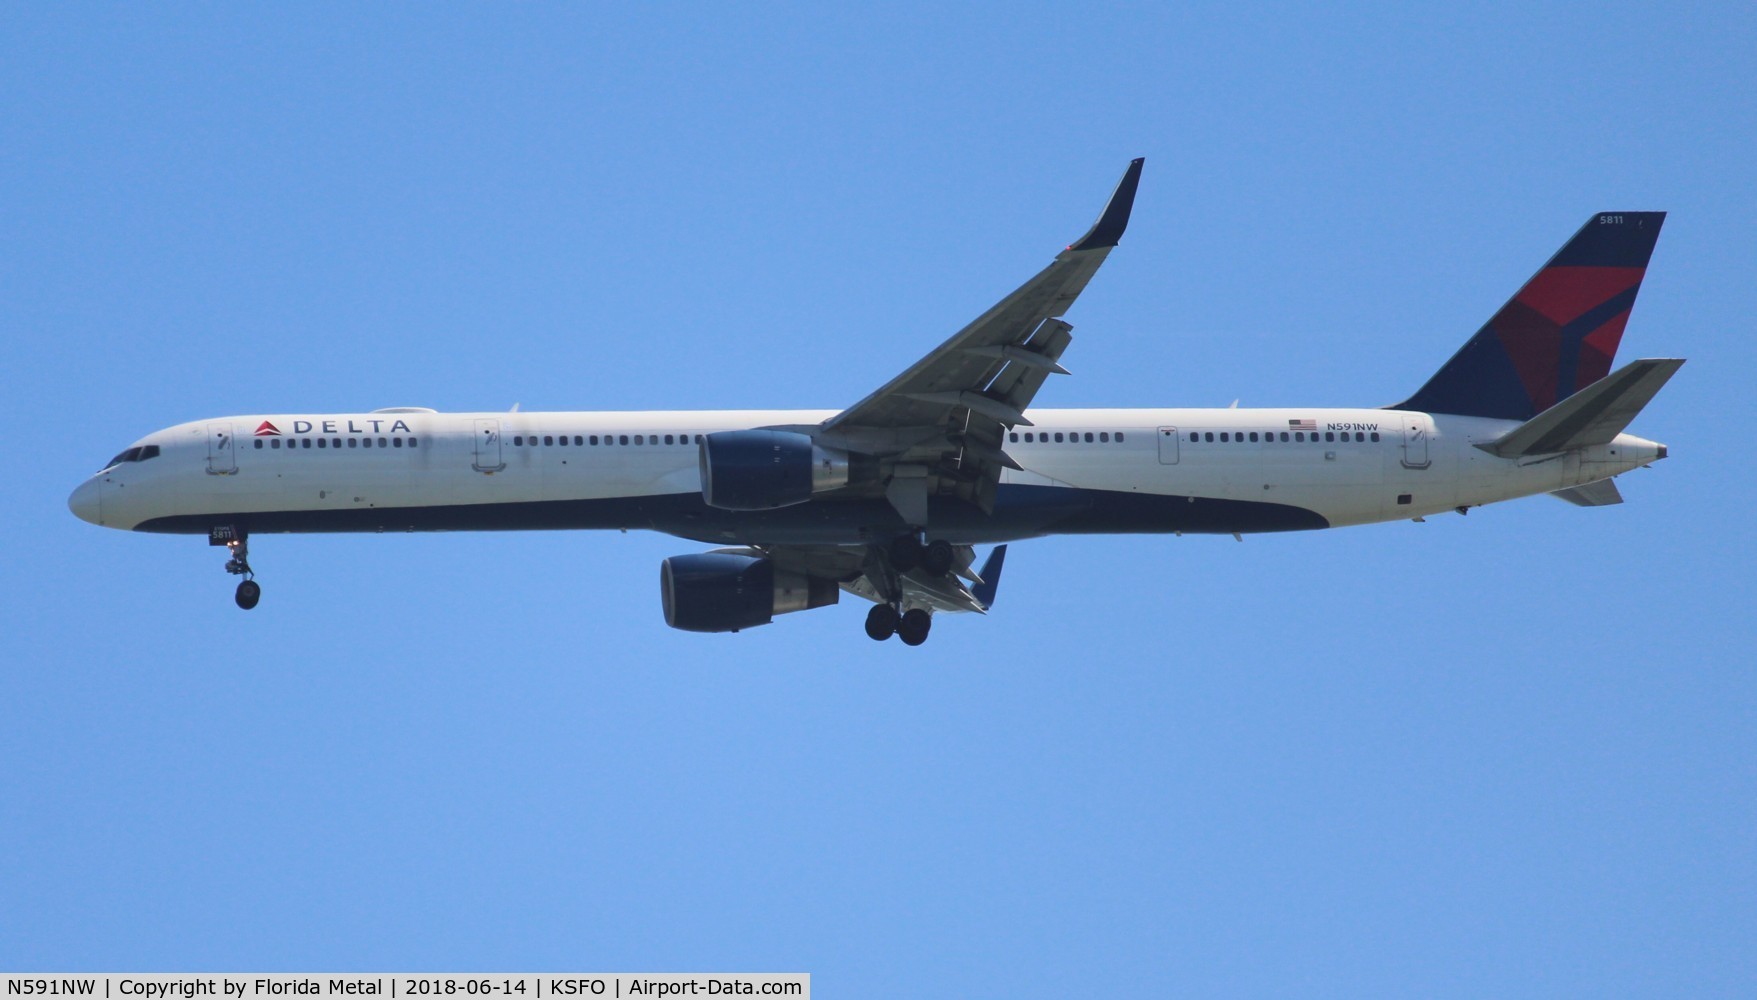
(727, 591)
(760, 470)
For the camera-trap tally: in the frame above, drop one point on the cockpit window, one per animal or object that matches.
(137, 454)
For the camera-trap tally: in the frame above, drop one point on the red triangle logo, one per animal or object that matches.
(266, 429)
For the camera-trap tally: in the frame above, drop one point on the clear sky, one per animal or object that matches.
(1508, 754)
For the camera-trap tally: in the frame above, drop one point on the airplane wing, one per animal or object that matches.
(942, 423)
(860, 571)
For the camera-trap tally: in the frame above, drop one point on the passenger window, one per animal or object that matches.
(352, 442)
(1088, 437)
(578, 441)
(258, 444)
(622, 439)
(1253, 435)
(518, 440)
(1284, 437)
(275, 443)
(321, 442)
(397, 441)
(1375, 435)
(1104, 437)
(414, 441)
(1013, 437)
(1119, 437)
(1208, 437)
(638, 439)
(1299, 435)
(1225, 437)
(381, 442)
(549, 439)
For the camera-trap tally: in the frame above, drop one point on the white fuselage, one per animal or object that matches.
(1123, 470)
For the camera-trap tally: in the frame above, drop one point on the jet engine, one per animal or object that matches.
(759, 470)
(731, 590)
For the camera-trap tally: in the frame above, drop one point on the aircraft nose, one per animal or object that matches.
(86, 503)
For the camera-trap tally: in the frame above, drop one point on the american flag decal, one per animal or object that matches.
(1302, 425)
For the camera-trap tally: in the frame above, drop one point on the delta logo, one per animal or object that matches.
(266, 429)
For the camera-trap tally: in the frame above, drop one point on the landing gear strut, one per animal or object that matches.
(249, 591)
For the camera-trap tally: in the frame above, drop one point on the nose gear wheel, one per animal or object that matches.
(249, 591)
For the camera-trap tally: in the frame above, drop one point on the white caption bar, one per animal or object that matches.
(405, 985)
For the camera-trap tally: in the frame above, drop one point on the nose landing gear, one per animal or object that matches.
(238, 546)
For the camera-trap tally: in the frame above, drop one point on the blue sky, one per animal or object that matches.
(1509, 754)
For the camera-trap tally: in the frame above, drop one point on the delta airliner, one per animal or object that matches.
(888, 498)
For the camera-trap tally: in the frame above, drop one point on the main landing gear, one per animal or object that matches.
(249, 591)
(905, 554)
(934, 558)
(910, 626)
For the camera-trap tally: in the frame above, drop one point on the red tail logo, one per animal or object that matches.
(266, 429)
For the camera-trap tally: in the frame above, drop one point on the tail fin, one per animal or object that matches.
(1558, 335)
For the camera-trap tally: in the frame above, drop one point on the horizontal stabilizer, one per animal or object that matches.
(1594, 415)
(1603, 493)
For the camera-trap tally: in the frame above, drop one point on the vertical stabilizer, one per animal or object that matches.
(1558, 335)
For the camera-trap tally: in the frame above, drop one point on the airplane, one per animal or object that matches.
(887, 499)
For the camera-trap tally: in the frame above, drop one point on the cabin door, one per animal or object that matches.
(222, 450)
(1415, 443)
(1168, 446)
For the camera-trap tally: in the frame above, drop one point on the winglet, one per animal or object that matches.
(991, 571)
(1115, 218)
